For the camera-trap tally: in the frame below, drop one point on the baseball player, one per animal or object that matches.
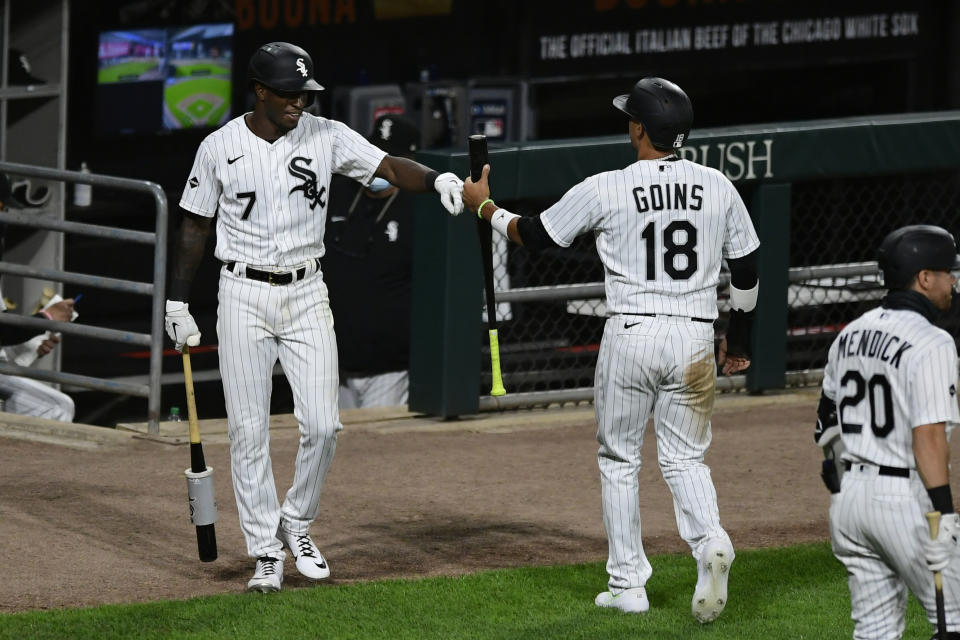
(888, 405)
(266, 176)
(368, 270)
(662, 226)
(26, 396)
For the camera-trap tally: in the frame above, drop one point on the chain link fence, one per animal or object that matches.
(836, 227)
(843, 221)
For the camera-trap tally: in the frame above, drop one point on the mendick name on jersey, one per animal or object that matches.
(668, 196)
(873, 344)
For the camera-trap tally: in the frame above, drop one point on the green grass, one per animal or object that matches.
(790, 594)
(187, 70)
(209, 114)
(130, 69)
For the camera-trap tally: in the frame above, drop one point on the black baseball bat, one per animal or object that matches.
(206, 533)
(478, 158)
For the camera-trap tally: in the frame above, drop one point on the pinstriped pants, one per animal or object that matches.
(258, 324)
(29, 397)
(664, 366)
(877, 525)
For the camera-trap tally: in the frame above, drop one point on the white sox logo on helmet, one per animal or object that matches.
(302, 68)
(385, 127)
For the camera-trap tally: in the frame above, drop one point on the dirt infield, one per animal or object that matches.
(410, 497)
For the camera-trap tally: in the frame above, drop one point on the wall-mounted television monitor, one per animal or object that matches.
(153, 80)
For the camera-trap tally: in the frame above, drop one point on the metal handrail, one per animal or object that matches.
(595, 290)
(156, 289)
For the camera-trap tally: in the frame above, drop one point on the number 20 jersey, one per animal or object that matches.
(662, 228)
(889, 371)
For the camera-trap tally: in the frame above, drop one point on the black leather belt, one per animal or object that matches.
(897, 472)
(653, 315)
(273, 277)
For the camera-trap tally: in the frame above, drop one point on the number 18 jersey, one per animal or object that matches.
(662, 227)
(889, 371)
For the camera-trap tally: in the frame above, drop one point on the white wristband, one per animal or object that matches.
(744, 299)
(501, 221)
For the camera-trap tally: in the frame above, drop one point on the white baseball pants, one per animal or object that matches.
(662, 365)
(257, 324)
(29, 397)
(384, 390)
(877, 525)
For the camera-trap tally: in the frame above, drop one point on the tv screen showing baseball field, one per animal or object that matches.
(162, 79)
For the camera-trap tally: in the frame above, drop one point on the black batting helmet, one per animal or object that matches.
(284, 67)
(662, 108)
(908, 250)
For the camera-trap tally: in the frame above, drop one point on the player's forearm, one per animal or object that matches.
(489, 211)
(406, 174)
(191, 243)
(932, 454)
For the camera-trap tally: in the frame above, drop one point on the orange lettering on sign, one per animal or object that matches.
(319, 9)
(293, 12)
(246, 14)
(345, 9)
(604, 5)
(269, 13)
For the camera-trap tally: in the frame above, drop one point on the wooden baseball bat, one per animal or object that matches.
(206, 533)
(478, 158)
(933, 520)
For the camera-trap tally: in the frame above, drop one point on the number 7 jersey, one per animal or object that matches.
(889, 371)
(662, 228)
(271, 197)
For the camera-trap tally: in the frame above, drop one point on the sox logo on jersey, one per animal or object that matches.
(309, 186)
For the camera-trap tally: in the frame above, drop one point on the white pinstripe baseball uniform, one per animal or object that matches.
(272, 204)
(889, 371)
(29, 397)
(662, 227)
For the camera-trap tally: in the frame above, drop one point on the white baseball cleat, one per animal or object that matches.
(713, 570)
(310, 562)
(268, 575)
(630, 600)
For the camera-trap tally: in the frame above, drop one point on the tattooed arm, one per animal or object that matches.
(188, 254)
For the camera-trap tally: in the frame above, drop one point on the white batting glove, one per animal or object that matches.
(942, 549)
(180, 325)
(450, 188)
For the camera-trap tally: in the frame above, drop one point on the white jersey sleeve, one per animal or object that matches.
(932, 384)
(740, 238)
(353, 155)
(575, 213)
(202, 191)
